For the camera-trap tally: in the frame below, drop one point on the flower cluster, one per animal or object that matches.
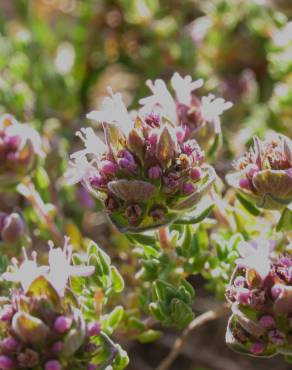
(199, 118)
(19, 145)
(264, 173)
(260, 292)
(39, 326)
(151, 167)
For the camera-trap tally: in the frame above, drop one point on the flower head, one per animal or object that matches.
(144, 174)
(19, 146)
(264, 173)
(40, 325)
(260, 292)
(200, 118)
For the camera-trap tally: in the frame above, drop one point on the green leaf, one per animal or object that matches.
(117, 280)
(3, 263)
(141, 239)
(149, 336)
(285, 222)
(42, 287)
(182, 313)
(195, 218)
(250, 207)
(115, 317)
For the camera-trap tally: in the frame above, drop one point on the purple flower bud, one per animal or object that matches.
(133, 213)
(58, 347)
(125, 164)
(91, 367)
(13, 228)
(257, 348)
(196, 173)
(53, 365)
(6, 363)
(62, 324)
(277, 290)
(9, 344)
(126, 155)
(108, 168)
(180, 135)
(6, 313)
(239, 282)
(98, 181)
(158, 214)
(245, 184)
(93, 329)
(267, 321)
(153, 138)
(152, 120)
(154, 173)
(188, 188)
(12, 142)
(277, 337)
(243, 296)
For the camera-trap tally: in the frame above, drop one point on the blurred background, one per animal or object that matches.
(57, 58)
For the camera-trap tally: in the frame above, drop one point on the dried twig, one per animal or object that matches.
(198, 321)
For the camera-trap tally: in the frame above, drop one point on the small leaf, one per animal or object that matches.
(115, 317)
(29, 328)
(149, 336)
(195, 218)
(42, 287)
(251, 208)
(285, 222)
(117, 280)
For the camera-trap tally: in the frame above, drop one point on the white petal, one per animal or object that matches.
(183, 87)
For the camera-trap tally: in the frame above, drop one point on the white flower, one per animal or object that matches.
(93, 144)
(183, 87)
(27, 272)
(114, 112)
(255, 255)
(79, 169)
(60, 268)
(57, 273)
(23, 131)
(162, 97)
(212, 108)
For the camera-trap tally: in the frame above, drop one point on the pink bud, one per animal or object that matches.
(58, 347)
(62, 324)
(53, 365)
(243, 296)
(180, 135)
(93, 329)
(267, 321)
(153, 138)
(196, 173)
(6, 363)
(154, 173)
(12, 142)
(6, 313)
(91, 367)
(257, 348)
(108, 168)
(98, 181)
(9, 344)
(276, 290)
(245, 184)
(189, 188)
